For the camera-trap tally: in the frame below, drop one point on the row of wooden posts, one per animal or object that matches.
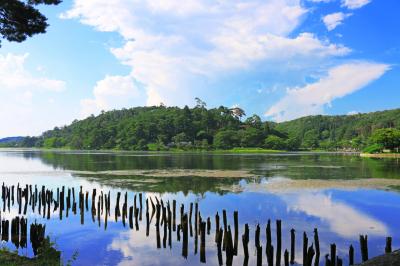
(226, 239)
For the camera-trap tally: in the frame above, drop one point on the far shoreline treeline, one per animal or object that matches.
(161, 128)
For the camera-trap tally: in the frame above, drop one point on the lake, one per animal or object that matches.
(342, 195)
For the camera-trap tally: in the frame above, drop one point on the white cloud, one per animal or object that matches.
(353, 112)
(321, 1)
(354, 4)
(14, 76)
(335, 19)
(339, 82)
(23, 109)
(112, 92)
(173, 46)
(338, 215)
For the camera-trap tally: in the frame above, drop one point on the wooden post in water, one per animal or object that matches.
(259, 256)
(158, 235)
(136, 213)
(270, 255)
(147, 222)
(196, 217)
(327, 260)
(208, 225)
(333, 254)
(236, 232)
(140, 205)
(225, 220)
(292, 246)
(305, 246)
(174, 215)
(178, 233)
(185, 236)
(203, 242)
(86, 200)
(286, 257)
(219, 244)
(317, 249)
(278, 242)
(131, 217)
(93, 201)
(182, 211)
(388, 247)
(245, 240)
(351, 255)
(268, 234)
(310, 255)
(98, 212)
(229, 247)
(339, 261)
(364, 247)
(269, 250)
(169, 226)
(164, 218)
(257, 236)
(190, 213)
(216, 227)
(117, 211)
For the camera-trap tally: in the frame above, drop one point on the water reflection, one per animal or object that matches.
(104, 232)
(168, 225)
(291, 165)
(338, 215)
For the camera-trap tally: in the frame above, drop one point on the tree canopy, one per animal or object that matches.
(21, 19)
(164, 128)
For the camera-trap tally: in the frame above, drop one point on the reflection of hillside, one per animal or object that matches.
(187, 184)
(126, 161)
(299, 166)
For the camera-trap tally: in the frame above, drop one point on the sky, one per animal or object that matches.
(279, 59)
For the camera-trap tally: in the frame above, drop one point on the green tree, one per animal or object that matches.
(251, 137)
(21, 19)
(226, 139)
(292, 144)
(254, 121)
(274, 142)
(311, 139)
(388, 138)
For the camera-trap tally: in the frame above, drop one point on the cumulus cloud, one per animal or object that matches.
(333, 20)
(173, 46)
(21, 92)
(321, 1)
(354, 4)
(113, 92)
(339, 82)
(338, 215)
(14, 76)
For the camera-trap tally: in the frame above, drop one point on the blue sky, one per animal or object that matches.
(280, 59)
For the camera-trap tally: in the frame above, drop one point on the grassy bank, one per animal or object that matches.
(380, 155)
(237, 150)
(9, 258)
(172, 150)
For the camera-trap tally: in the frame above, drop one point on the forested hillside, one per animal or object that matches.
(165, 128)
(344, 131)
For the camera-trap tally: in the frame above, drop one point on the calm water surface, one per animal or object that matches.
(340, 215)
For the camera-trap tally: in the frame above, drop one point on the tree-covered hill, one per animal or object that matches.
(163, 128)
(342, 131)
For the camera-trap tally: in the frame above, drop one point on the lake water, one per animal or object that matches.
(341, 195)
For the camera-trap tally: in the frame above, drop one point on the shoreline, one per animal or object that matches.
(380, 155)
(230, 151)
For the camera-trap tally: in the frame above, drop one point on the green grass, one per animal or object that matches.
(9, 258)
